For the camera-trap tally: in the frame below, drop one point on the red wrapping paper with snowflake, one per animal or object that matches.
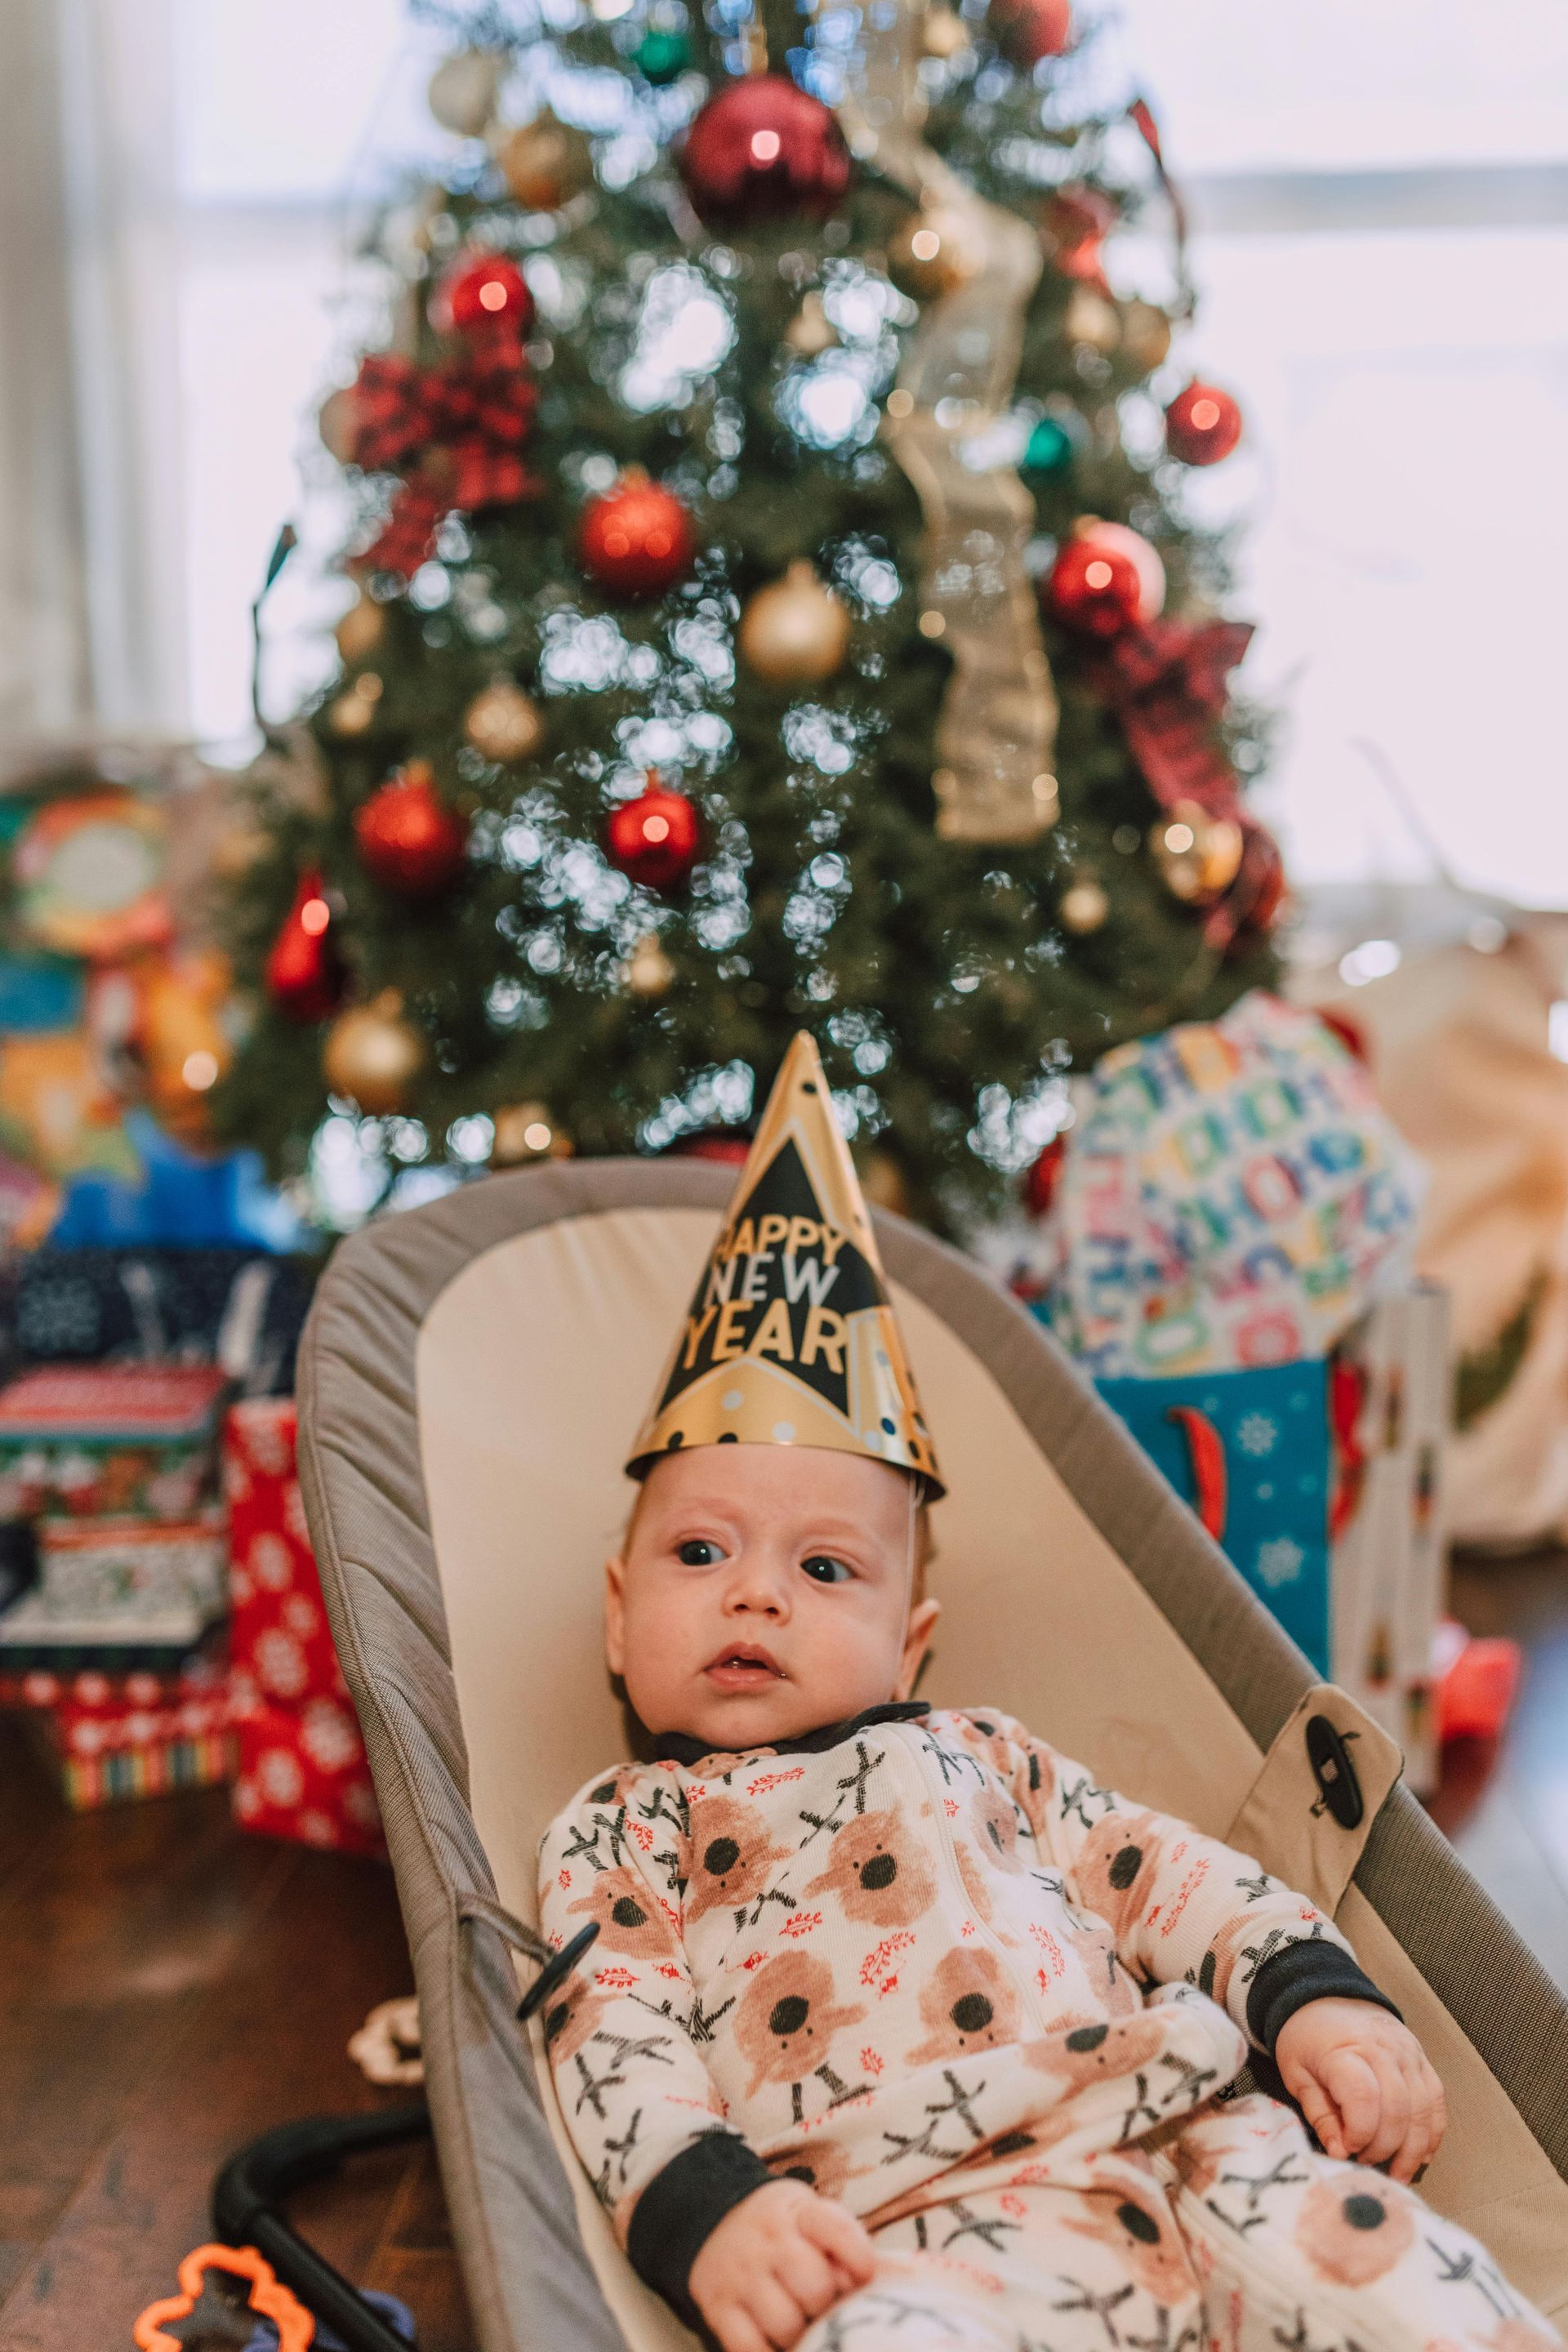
(302, 1767)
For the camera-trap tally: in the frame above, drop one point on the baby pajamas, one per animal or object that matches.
(925, 1963)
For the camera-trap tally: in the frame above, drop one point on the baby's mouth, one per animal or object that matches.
(743, 1666)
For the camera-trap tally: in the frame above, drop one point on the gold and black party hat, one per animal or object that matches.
(791, 1338)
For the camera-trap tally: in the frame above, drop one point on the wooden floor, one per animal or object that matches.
(1505, 1805)
(169, 1989)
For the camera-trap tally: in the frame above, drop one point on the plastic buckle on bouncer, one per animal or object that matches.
(1328, 1752)
(559, 1968)
(554, 1967)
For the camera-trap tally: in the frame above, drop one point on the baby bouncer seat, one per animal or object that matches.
(470, 1376)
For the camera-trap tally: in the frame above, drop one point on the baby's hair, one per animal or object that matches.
(924, 1546)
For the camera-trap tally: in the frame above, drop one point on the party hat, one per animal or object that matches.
(791, 1338)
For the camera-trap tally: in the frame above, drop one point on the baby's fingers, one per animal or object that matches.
(775, 2311)
(1320, 2111)
(735, 2329)
(1358, 2099)
(842, 2238)
(1428, 2115)
(806, 2273)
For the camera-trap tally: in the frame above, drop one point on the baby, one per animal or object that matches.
(898, 2029)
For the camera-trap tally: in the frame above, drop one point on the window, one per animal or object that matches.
(1381, 243)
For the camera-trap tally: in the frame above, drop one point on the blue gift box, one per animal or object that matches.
(1251, 1450)
(183, 1198)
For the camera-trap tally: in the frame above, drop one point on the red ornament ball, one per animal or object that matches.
(762, 150)
(1040, 1181)
(408, 838)
(638, 540)
(303, 975)
(1095, 588)
(1029, 30)
(1203, 425)
(717, 1143)
(485, 290)
(654, 839)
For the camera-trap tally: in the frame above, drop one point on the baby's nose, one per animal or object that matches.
(759, 1590)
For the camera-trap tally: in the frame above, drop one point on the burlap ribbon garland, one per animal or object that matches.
(996, 739)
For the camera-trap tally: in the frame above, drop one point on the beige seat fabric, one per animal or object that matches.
(536, 1360)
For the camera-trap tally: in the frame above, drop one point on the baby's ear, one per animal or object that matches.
(615, 1614)
(916, 1640)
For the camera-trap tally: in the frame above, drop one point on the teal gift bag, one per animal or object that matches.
(1251, 1451)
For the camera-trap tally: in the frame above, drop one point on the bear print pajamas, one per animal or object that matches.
(922, 1962)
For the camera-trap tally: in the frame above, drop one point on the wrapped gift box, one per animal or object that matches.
(279, 1639)
(302, 1768)
(110, 1440)
(100, 1763)
(235, 1307)
(303, 1775)
(107, 1568)
(34, 1640)
(199, 1678)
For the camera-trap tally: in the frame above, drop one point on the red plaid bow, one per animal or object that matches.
(402, 410)
(452, 431)
(1255, 898)
(1167, 683)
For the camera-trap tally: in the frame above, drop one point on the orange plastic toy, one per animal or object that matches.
(269, 2300)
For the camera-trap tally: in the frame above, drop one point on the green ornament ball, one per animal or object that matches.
(662, 57)
(1049, 449)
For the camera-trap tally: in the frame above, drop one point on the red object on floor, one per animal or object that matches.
(302, 1768)
(280, 1641)
(1477, 1683)
(303, 1775)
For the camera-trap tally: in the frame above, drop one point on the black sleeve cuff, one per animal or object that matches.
(1304, 1971)
(682, 2206)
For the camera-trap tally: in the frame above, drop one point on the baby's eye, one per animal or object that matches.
(824, 1568)
(698, 1551)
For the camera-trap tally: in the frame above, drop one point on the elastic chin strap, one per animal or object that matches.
(910, 1546)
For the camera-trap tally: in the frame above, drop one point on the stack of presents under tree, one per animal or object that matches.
(164, 1626)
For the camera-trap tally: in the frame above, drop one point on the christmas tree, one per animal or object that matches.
(779, 604)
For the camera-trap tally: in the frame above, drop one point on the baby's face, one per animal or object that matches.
(764, 1592)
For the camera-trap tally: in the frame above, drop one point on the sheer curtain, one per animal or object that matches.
(91, 570)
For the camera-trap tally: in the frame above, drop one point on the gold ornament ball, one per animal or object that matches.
(924, 259)
(353, 712)
(463, 90)
(1198, 855)
(1091, 319)
(944, 33)
(811, 332)
(373, 1055)
(361, 630)
(545, 164)
(503, 724)
(1145, 335)
(236, 850)
(1084, 908)
(882, 1181)
(337, 421)
(648, 969)
(525, 1131)
(795, 632)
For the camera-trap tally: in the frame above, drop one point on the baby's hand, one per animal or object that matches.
(777, 2262)
(1363, 2083)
